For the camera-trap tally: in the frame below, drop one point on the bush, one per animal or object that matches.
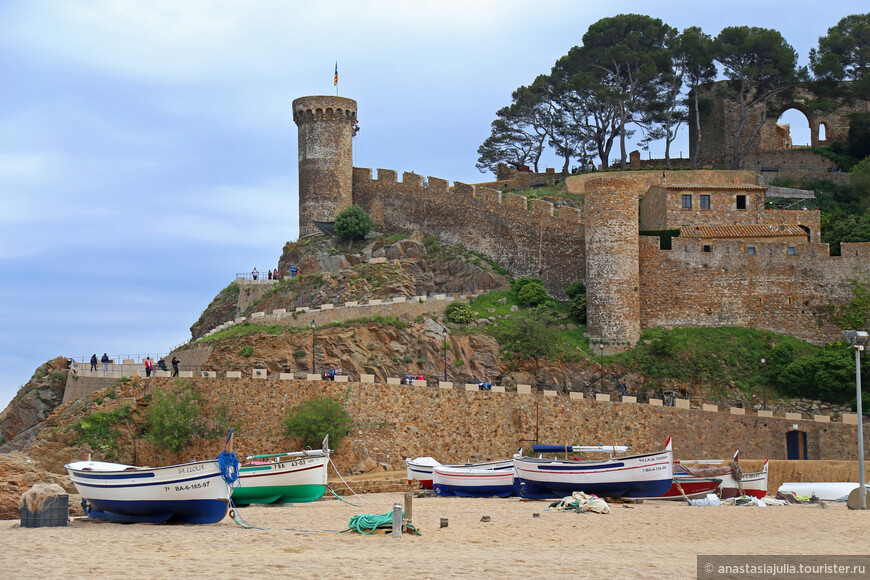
(316, 418)
(531, 337)
(578, 308)
(174, 420)
(575, 289)
(532, 294)
(99, 430)
(519, 283)
(459, 312)
(246, 351)
(353, 223)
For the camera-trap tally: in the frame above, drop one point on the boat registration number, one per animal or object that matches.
(188, 486)
(294, 463)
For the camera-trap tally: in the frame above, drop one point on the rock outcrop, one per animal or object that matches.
(23, 417)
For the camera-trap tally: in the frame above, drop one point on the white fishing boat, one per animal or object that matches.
(826, 490)
(420, 469)
(490, 479)
(752, 484)
(295, 477)
(197, 492)
(646, 475)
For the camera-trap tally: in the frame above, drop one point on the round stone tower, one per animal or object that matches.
(325, 158)
(612, 269)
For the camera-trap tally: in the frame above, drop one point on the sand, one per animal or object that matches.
(650, 540)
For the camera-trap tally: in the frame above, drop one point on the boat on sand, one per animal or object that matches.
(294, 477)
(490, 479)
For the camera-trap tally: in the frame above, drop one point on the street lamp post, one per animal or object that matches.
(444, 346)
(313, 326)
(764, 382)
(601, 352)
(858, 339)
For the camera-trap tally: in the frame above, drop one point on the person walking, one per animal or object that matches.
(105, 360)
(255, 274)
(148, 367)
(623, 388)
(175, 362)
(94, 362)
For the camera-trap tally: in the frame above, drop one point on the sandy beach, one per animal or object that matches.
(649, 540)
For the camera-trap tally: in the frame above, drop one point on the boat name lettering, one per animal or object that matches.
(190, 486)
(649, 459)
(191, 468)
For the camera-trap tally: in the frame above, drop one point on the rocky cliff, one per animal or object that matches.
(22, 419)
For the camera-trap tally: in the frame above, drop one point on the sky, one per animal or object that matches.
(148, 151)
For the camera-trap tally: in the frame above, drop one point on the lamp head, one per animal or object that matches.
(313, 324)
(857, 338)
(763, 360)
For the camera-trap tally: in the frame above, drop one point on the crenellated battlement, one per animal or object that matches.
(323, 108)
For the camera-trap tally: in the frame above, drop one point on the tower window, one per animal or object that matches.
(791, 251)
(741, 202)
(687, 201)
(707, 249)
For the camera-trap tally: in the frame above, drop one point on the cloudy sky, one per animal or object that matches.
(148, 152)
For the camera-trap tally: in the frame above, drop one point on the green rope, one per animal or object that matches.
(342, 499)
(368, 523)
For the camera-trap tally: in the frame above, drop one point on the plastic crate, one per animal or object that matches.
(55, 512)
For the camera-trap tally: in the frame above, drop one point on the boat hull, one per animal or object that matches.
(753, 484)
(494, 479)
(692, 488)
(648, 475)
(291, 481)
(189, 493)
(420, 469)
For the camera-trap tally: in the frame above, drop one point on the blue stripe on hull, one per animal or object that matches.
(474, 491)
(553, 489)
(199, 511)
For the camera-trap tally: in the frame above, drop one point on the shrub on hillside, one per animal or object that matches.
(316, 418)
(519, 283)
(532, 294)
(99, 430)
(174, 419)
(353, 223)
(459, 313)
(577, 295)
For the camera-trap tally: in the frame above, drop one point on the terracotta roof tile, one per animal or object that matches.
(750, 231)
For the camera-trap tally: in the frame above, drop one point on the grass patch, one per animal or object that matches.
(100, 431)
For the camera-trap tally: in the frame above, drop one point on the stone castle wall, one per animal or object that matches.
(526, 237)
(393, 422)
(768, 290)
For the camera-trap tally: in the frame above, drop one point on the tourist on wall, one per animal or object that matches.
(105, 360)
(161, 364)
(255, 274)
(148, 367)
(270, 274)
(623, 388)
(94, 362)
(275, 274)
(175, 362)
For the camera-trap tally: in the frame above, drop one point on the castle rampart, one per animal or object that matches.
(540, 241)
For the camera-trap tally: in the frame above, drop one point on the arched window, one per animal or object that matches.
(823, 132)
(792, 130)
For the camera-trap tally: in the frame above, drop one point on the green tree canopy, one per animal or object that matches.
(760, 64)
(353, 223)
(844, 54)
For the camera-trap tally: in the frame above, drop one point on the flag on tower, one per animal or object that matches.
(335, 82)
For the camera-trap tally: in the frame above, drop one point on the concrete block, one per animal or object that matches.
(351, 304)
(286, 376)
(575, 395)
(656, 402)
(604, 398)
(185, 374)
(737, 411)
(850, 418)
(399, 300)
(496, 389)
(683, 404)
(627, 399)
(240, 320)
(378, 260)
(417, 383)
(422, 298)
(327, 306)
(793, 416)
(822, 418)
(471, 387)
(710, 408)
(129, 361)
(394, 381)
(341, 378)
(302, 309)
(551, 393)
(440, 297)
(765, 413)
(162, 374)
(524, 389)
(258, 315)
(375, 302)
(312, 377)
(234, 374)
(279, 312)
(366, 378)
(259, 373)
(445, 385)
(208, 374)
